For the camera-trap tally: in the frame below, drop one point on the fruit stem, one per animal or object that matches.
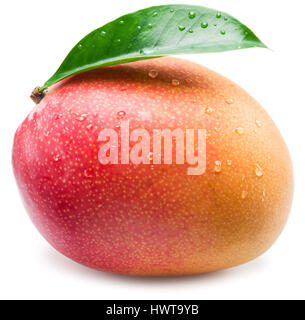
(38, 95)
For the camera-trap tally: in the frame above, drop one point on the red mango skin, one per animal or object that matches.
(153, 220)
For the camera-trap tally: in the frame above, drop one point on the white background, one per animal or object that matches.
(36, 36)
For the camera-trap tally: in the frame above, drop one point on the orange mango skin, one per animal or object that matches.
(153, 220)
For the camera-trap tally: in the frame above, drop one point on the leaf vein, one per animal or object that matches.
(184, 35)
(161, 33)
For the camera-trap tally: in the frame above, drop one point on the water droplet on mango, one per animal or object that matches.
(239, 130)
(244, 194)
(258, 170)
(153, 74)
(82, 117)
(208, 110)
(151, 156)
(258, 123)
(229, 101)
(56, 157)
(217, 167)
(175, 82)
(121, 114)
(58, 116)
(88, 173)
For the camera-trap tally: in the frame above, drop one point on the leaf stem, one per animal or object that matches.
(37, 94)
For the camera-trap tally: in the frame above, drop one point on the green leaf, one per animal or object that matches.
(154, 32)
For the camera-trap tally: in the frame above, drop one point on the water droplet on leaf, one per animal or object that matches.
(222, 32)
(181, 28)
(204, 25)
(218, 15)
(149, 26)
(192, 14)
(155, 14)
